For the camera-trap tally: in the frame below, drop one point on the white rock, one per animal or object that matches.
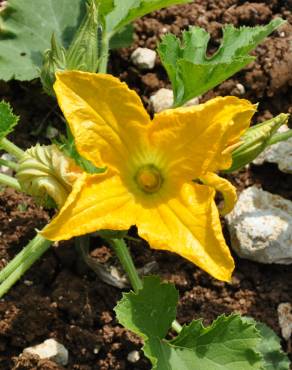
(240, 88)
(194, 101)
(50, 349)
(280, 153)
(133, 356)
(144, 58)
(161, 100)
(285, 319)
(260, 227)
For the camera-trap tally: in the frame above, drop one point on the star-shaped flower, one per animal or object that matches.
(160, 173)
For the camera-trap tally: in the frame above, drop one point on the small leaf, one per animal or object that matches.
(26, 30)
(192, 73)
(117, 14)
(7, 119)
(151, 311)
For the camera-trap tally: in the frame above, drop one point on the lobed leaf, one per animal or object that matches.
(151, 311)
(228, 344)
(193, 73)
(26, 31)
(7, 119)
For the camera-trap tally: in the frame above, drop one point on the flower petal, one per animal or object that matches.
(223, 186)
(96, 202)
(193, 138)
(106, 118)
(189, 225)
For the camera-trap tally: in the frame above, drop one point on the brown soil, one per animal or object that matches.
(59, 297)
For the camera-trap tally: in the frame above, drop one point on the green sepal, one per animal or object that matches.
(256, 139)
(67, 145)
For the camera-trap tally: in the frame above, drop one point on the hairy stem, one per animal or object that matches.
(22, 262)
(9, 164)
(104, 55)
(9, 181)
(11, 148)
(123, 254)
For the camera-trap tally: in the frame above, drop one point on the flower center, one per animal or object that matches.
(149, 179)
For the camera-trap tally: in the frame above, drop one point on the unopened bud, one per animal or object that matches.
(47, 174)
(54, 61)
(82, 54)
(256, 139)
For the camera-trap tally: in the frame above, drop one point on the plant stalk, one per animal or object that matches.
(104, 55)
(9, 181)
(123, 254)
(10, 164)
(22, 262)
(11, 148)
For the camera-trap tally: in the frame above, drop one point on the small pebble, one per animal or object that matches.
(28, 282)
(144, 58)
(50, 349)
(240, 88)
(133, 356)
(161, 100)
(285, 319)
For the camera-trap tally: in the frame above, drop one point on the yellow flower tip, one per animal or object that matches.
(149, 179)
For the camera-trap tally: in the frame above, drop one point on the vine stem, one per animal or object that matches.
(22, 262)
(102, 68)
(10, 164)
(123, 254)
(9, 181)
(11, 148)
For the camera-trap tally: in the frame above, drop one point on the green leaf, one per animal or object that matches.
(26, 31)
(270, 348)
(67, 145)
(123, 38)
(228, 344)
(192, 73)
(117, 14)
(7, 119)
(151, 311)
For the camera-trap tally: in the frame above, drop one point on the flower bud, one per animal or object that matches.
(54, 60)
(47, 174)
(256, 139)
(82, 54)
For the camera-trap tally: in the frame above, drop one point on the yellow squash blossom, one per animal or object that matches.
(152, 168)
